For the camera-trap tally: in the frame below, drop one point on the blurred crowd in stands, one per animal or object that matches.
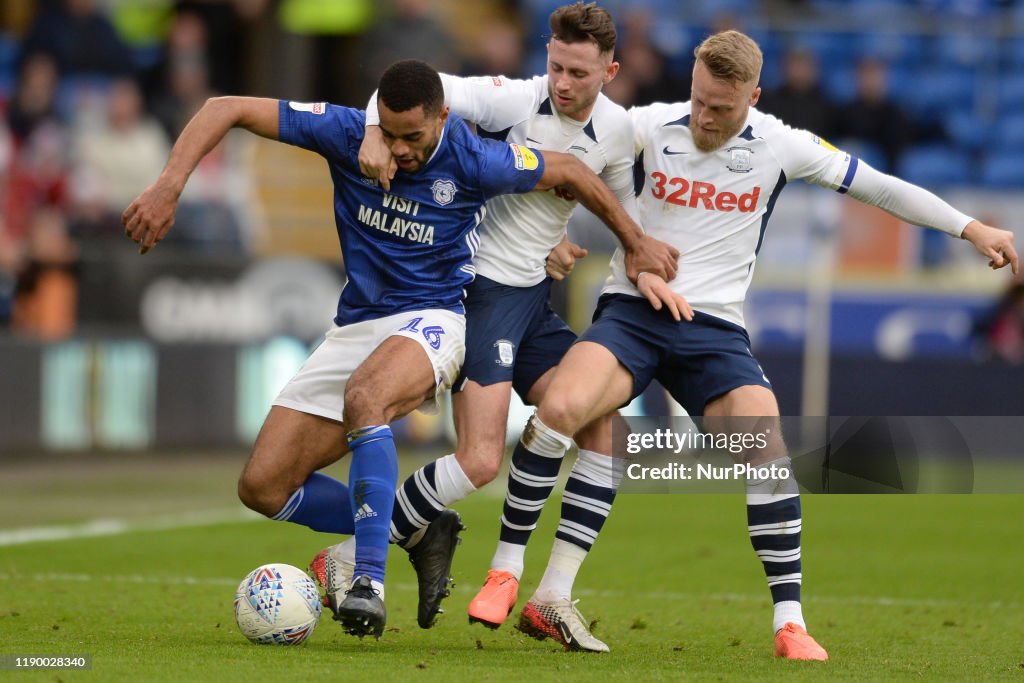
(94, 92)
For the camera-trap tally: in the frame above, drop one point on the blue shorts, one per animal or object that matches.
(695, 361)
(511, 335)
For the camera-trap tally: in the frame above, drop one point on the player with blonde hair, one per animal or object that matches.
(712, 169)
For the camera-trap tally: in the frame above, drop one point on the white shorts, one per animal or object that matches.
(318, 387)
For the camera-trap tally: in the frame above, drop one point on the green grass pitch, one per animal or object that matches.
(895, 587)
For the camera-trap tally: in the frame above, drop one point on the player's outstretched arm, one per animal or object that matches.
(562, 258)
(150, 215)
(643, 253)
(917, 205)
(659, 294)
(993, 243)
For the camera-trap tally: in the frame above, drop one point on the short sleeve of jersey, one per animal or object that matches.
(804, 155)
(641, 119)
(492, 102)
(507, 168)
(326, 129)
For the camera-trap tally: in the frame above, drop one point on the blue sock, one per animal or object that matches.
(322, 504)
(372, 479)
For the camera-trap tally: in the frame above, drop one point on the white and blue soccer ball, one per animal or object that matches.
(278, 604)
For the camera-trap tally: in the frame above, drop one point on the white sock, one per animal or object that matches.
(509, 558)
(451, 481)
(378, 586)
(788, 611)
(450, 486)
(762, 491)
(543, 440)
(563, 565)
(601, 470)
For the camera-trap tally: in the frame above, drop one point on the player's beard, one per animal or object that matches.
(709, 142)
(421, 159)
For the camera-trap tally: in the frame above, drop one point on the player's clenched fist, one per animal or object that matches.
(562, 259)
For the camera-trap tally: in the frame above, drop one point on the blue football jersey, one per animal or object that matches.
(410, 248)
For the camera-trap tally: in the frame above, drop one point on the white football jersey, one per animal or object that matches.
(519, 230)
(714, 206)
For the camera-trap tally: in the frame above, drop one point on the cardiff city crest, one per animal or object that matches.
(444, 191)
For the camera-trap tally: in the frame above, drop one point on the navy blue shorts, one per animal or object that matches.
(695, 361)
(511, 335)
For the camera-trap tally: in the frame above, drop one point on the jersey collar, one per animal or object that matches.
(440, 141)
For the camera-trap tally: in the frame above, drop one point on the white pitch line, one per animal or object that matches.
(56, 577)
(871, 601)
(114, 527)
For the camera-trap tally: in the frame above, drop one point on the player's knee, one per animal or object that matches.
(361, 406)
(480, 467)
(561, 414)
(258, 495)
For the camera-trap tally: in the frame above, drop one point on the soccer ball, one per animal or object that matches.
(277, 603)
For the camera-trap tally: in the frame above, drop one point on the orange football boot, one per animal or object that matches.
(793, 642)
(495, 600)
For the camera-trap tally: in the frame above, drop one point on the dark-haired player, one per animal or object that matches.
(398, 337)
(513, 337)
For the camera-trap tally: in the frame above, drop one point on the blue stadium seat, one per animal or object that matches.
(707, 12)
(1004, 169)
(1010, 91)
(877, 12)
(934, 166)
(1008, 132)
(1012, 50)
(960, 9)
(897, 49)
(967, 130)
(1016, 18)
(965, 49)
(846, 5)
(833, 49)
(840, 83)
(932, 92)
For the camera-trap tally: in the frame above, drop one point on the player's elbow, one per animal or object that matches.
(561, 169)
(218, 103)
(232, 109)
